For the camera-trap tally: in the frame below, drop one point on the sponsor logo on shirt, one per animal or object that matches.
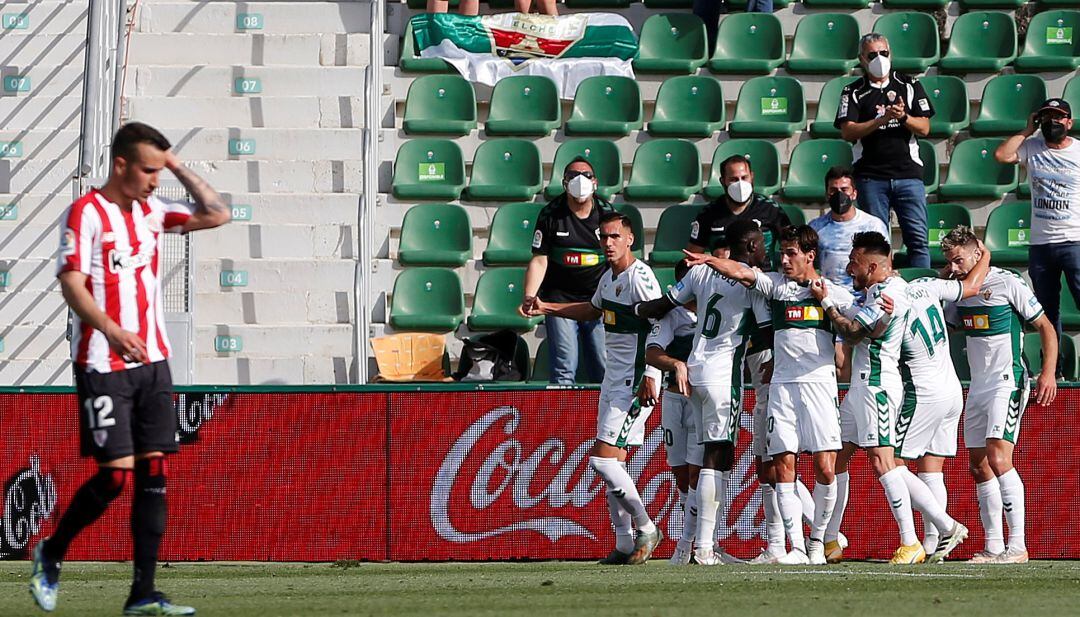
(804, 313)
(1033, 302)
(538, 239)
(118, 261)
(581, 259)
(976, 322)
(609, 317)
(695, 229)
(67, 243)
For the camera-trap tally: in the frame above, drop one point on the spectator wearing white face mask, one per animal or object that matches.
(565, 267)
(740, 202)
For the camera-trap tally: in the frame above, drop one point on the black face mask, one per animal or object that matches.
(840, 203)
(1053, 132)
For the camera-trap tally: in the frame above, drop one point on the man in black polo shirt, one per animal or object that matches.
(883, 113)
(739, 203)
(565, 267)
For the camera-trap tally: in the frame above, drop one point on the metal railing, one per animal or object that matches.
(369, 199)
(105, 57)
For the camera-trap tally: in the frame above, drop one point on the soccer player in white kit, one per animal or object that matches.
(868, 414)
(993, 322)
(622, 414)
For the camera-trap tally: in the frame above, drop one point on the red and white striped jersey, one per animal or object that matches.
(120, 252)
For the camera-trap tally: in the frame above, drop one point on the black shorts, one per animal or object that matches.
(126, 412)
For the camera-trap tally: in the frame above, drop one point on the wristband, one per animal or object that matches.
(828, 303)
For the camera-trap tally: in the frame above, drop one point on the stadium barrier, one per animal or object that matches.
(441, 473)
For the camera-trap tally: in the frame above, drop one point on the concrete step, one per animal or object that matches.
(34, 342)
(61, 113)
(274, 81)
(30, 276)
(262, 241)
(279, 209)
(281, 176)
(250, 112)
(272, 17)
(20, 47)
(33, 309)
(29, 241)
(237, 305)
(39, 176)
(293, 370)
(283, 276)
(267, 144)
(40, 144)
(42, 82)
(249, 49)
(275, 341)
(16, 209)
(52, 371)
(50, 18)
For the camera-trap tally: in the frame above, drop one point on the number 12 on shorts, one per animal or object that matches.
(99, 411)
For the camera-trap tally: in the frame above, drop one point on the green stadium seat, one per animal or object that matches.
(1072, 95)
(430, 169)
(1008, 231)
(499, 293)
(795, 214)
(638, 226)
(541, 369)
(836, 4)
(769, 107)
(810, 160)
(524, 105)
(913, 40)
(427, 299)
(412, 62)
(764, 162)
(672, 234)
(606, 105)
(664, 169)
(1066, 355)
(825, 43)
(505, 169)
(958, 352)
(940, 220)
(669, 4)
(910, 274)
(435, 235)
(444, 104)
(974, 5)
(931, 172)
(926, 5)
(983, 41)
(948, 94)
(511, 234)
(672, 43)
(828, 103)
(748, 43)
(973, 172)
(666, 278)
(605, 159)
(1050, 44)
(1070, 313)
(688, 106)
(1007, 101)
(597, 4)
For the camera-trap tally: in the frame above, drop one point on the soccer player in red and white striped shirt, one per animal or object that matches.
(109, 266)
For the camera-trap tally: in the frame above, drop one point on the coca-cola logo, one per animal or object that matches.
(29, 500)
(194, 409)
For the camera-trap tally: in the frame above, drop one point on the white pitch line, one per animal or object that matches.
(867, 572)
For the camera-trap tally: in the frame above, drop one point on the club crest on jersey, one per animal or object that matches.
(803, 313)
(100, 437)
(618, 290)
(154, 223)
(118, 261)
(976, 322)
(986, 293)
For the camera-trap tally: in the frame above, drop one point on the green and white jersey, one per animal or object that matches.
(925, 361)
(674, 333)
(803, 337)
(625, 333)
(725, 311)
(876, 361)
(993, 322)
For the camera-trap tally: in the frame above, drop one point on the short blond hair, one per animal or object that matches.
(959, 236)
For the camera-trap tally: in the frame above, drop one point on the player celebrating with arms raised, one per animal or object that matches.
(109, 268)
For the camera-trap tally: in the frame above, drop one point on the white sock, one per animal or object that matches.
(623, 524)
(807, 500)
(725, 503)
(791, 512)
(711, 489)
(689, 529)
(900, 502)
(824, 502)
(622, 487)
(989, 494)
(935, 481)
(832, 531)
(774, 524)
(923, 500)
(1012, 500)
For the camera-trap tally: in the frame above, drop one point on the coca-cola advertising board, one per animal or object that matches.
(443, 475)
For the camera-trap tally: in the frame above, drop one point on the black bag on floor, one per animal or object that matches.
(490, 358)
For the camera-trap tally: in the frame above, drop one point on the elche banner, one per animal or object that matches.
(449, 475)
(566, 49)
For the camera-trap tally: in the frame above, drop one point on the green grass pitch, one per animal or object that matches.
(564, 588)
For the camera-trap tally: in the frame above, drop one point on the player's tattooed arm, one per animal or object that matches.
(210, 208)
(731, 269)
(654, 309)
(852, 331)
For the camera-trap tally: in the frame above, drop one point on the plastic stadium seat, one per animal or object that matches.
(1008, 231)
(1063, 3)
(444, 104)
(828, 103)
(499, 292)
(541, 369)
(1072, 95)
(948, 95)
(511, 233)
(764, 162)
(435, 235)
(982, 41)
(1050, 44)
(769, 107)
(1007, 101)
(973, 172)
(926, 5)
(664, 169)
(427, 299)
(940, 219)
(810, 160)
(605, 159)
(672, 43)
(825, 43)
(429, 169)
(931, 172)
(506, 169)
(1070, 313)
(969, 5)
(688, 106)
(1066, 355)
(605, 105)
(666, 278)
(836, 4)
(910, 274)
(913, 40)
(958, 352)
(750, 43)
(672, 234)
(413, 63)
(795, 214)
(524, 105)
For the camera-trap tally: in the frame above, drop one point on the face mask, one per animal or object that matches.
(1053, 132)
(879, 67)
(840, 203)
(740, 191)
(580, 188)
